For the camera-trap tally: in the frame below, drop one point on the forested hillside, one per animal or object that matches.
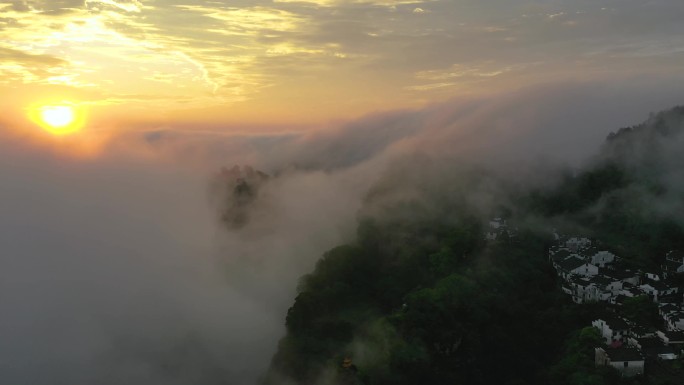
(631, 195)
(420, 297)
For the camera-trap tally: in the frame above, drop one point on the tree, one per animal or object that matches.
(642, 311)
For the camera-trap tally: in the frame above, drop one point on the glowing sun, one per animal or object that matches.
(58, 119)
(57, 116)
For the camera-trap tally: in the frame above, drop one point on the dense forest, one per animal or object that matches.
(420, 297)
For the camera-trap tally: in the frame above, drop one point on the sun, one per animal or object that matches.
(58, 119)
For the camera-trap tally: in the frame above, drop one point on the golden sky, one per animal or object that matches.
(139, 63)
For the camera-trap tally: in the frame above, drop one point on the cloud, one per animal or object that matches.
(256, 52)
(30, 60)
(126, 5)
(115, 270)
(561, 120)
(45, 7)
(566, 122)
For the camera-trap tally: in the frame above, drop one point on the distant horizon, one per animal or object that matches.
(130, 63)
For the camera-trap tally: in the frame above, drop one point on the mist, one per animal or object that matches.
(116, 269)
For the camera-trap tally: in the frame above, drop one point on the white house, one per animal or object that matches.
(631, 292)
(497, 227)
(626, 276)
(574, 265)
(628, 361)
(650, 291)
(576, 244)
(584, 290)
(496, 223)
(607, 285)
(654, 348)
(612, 329)
(657, 289)
(603, 258)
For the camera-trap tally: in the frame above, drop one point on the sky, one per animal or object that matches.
(269, 65)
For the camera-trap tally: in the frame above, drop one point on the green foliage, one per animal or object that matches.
(642, 311)
(576, 193)
(577, 365)
(420, 298)
(449, 304)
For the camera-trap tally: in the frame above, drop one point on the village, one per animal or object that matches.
(591, 274)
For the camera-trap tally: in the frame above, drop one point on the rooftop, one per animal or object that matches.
(674, 336)
(602, 280)
(659, 285)
(571, 263)
(615, 323)
(669, 308)
(618, 273)
(581, 281)
(624, 354)
(649, 342)
(590, 251)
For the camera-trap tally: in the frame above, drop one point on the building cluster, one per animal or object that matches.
(498, 229)
(592, 274)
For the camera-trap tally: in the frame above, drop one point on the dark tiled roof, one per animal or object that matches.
(581, 281)
(659, 286)
(615, 323)
(636, 292)
(669, 308)
(591, 251)
(624, 354)
(650, 342)
(559, 257)
(641, 330)
(571, 263)
(618, 273)
(674, 336)
(652, 351)
(602, 280)
(558, 251)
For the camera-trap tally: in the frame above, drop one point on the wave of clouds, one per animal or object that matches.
(114, 269)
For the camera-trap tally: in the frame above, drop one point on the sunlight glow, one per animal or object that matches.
(58, 119)
(57, 116)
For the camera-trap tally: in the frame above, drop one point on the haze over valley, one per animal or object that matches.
(303, 192)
